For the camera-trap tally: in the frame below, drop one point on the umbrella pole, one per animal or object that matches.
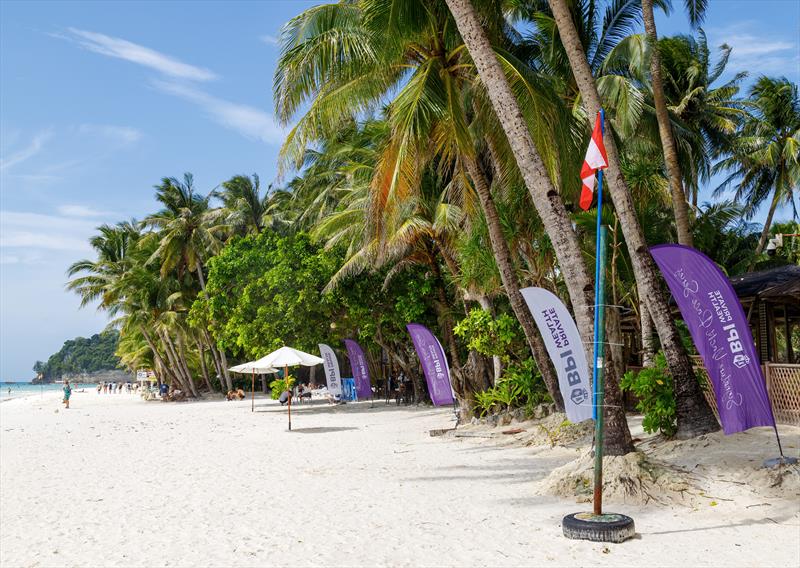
(289, 389)
(253, 392)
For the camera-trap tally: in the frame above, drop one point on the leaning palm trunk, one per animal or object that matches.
(157, 355)
(185, 364)
(545, 197)
(502, 255)
(215, 359)
(178, 369)
(203, 368)
(679, 204)
(694, 415)
(218, 352)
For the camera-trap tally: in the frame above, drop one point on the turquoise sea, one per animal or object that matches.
(16, 390)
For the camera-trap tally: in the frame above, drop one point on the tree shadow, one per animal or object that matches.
(323, 429)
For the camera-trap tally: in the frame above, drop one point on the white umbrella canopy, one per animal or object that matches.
(288, 357)
(252, 367)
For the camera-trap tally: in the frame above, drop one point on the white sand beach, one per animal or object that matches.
(116, 481)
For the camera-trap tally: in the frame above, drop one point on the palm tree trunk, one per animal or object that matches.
(156, 355)
(617, 439)
(185, 364)
(545, 197)
(694, 415)
(220, 351)
(508, 275)
(215, 359)
(648, 344)
(679, 204)
(762, 241)
(203, 368)
(173, 363)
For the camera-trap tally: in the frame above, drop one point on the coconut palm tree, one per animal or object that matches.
(696, 11)
(705, 116)
(765, 159)
(409, 48)
(694, 415)
(246, 207)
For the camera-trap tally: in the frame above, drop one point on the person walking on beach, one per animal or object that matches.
(67, 393)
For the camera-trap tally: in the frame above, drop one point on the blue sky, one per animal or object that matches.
(98, 101)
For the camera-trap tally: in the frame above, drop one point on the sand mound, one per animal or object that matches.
(631, 479)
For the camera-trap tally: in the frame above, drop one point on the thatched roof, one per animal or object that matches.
(775, 284)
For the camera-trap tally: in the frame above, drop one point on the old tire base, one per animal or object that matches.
(609, 527)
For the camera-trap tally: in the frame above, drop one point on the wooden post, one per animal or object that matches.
(253, 392)
(289, 390)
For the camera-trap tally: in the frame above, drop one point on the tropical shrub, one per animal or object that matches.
(654, 388)
(521, 386)
(280, 385)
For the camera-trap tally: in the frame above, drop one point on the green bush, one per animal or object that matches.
(280, 385)
(655, 390)
(520, 386)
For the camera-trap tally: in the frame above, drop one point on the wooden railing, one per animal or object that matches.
(783, 388)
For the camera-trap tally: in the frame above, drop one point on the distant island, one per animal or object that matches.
(90, 359)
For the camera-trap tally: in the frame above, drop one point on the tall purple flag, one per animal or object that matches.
(434, 364)
(358, 362)
(721, 334)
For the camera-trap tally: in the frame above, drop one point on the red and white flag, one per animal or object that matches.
(595, 159)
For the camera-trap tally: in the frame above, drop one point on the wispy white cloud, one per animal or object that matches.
(135, 53)
(26, 153)
(249, 121)
(81, 211)
(24, 234)
(269, 39)
(124, 134)
(756, 52)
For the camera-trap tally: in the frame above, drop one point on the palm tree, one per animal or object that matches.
(765, 158)
(705, 116)
(188, 232)
(419, 55)
(247, 208)
(694, 415)
(696, 10)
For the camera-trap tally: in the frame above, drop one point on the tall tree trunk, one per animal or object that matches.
(223, 361)
(648, 341)
(544, 195)
(617, 434)
(185, 363)
(508, 276)
(694, 415)
(172, 358)
(215, 359)
(679, 197)
(156, 355)
(203, 368)
(762, 241)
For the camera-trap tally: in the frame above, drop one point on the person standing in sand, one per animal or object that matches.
(67, 393)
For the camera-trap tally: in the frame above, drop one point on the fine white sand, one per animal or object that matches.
(116, 481)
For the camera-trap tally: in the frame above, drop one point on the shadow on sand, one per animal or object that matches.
(323, 429)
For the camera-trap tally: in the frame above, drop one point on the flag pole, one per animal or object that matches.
(598, 351)
(598, 526)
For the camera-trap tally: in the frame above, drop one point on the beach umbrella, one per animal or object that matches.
(253, 367)
(287, 357)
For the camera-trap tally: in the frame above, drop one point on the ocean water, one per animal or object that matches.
(16, 390)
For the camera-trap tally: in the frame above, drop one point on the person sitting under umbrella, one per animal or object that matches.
(285, 396)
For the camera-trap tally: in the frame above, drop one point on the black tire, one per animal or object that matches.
(609, 527)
